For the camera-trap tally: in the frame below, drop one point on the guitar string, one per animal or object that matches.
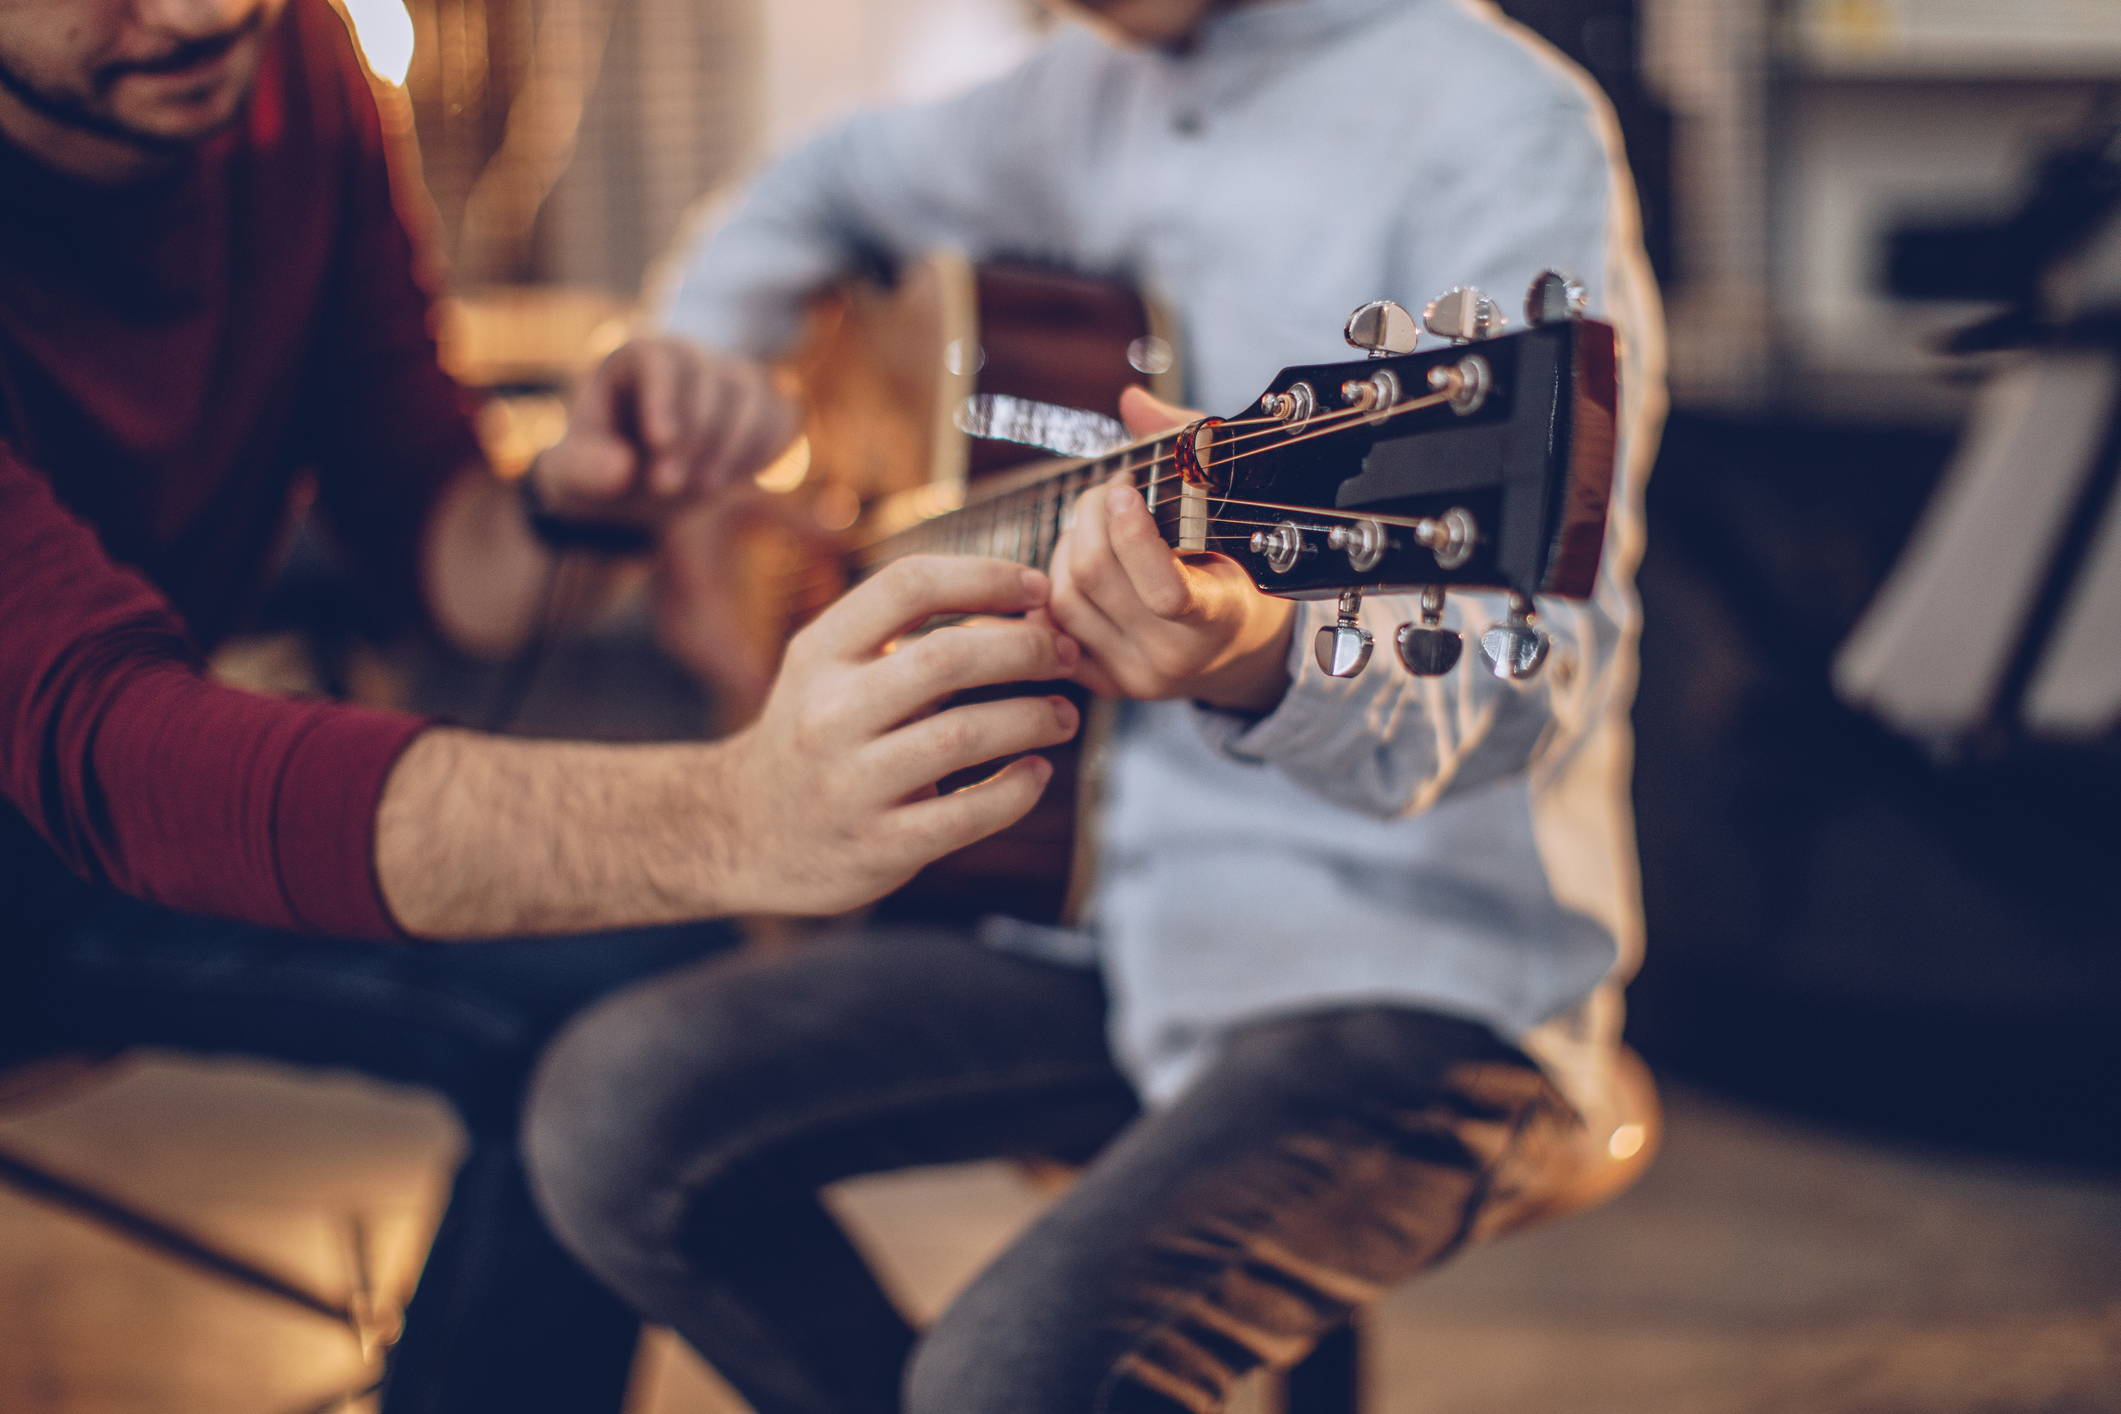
(1320, 424)
(1031, 496)
(1016, 487)
(1331, 423)
(1324, 425)
(793, 581)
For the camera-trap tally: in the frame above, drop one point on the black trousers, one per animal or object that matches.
(679, 1132)
(503, 1319)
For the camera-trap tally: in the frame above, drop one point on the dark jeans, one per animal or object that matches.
(678, 1134)
(503, 1319)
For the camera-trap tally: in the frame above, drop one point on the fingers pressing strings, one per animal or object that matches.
(1226, 449)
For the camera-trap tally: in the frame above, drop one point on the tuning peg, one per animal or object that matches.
(1451, 536)
(1362, 541)
(1282, 546)
(1343, 647)
(1293, 405)
(1514, 649)
(1382, 327)
(1428, 649)
(1555, 298)
(1463, 314)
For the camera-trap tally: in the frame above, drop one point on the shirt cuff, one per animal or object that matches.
(1303, 722)
(324, 821)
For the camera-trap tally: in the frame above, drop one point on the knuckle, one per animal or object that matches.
(955, 736)
(925, 573)
(910, 580)
(813, 722)
(1033, 652)
(941, 655)
(918, 837)
(1168, 601)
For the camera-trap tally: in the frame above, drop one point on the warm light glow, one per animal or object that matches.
(786, 471)
(1627, 1141)
(385, 34)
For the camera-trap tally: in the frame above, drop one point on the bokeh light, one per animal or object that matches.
(385, 32)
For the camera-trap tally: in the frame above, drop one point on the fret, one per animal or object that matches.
(1042, 534)
(1024, 523)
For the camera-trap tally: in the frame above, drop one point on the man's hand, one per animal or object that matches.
(1154, 624)
(659, 427)
(839, 771)
(826, 802)
(661, 424)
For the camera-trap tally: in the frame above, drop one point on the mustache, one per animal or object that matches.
(182, 56)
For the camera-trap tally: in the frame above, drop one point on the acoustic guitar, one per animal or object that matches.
(1484, 462)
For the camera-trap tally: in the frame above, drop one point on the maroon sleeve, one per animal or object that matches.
(386, 426)
(143, 774)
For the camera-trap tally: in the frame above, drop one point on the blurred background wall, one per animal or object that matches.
(562, 140)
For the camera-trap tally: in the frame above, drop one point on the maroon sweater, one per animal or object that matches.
(172, 355)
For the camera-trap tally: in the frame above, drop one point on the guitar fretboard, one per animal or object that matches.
(1016, 516)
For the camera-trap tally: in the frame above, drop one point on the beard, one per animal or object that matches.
(89, 111)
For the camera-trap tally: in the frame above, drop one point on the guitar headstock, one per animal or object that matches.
(1487, 463)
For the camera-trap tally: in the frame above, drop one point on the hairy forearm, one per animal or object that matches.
(482, 836)
(825, 803)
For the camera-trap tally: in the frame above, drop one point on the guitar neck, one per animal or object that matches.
(1016, 516)
(1487, 466)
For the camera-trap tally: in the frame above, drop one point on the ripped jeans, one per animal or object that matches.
(679, 1132)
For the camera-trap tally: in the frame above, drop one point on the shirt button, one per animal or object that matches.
(1186, 123)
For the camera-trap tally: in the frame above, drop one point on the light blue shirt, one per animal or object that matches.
(1461, 844)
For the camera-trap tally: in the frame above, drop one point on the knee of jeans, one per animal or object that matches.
(1007, 1347)
(619, 1124)
(953, 1367)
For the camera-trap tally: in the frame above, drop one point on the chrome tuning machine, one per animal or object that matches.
(1466, 383)
(1428, 649)
(1450, 537)
(1463, 314)
(1555, 298)
(1343, 647)
(1514, 648)
(1363, 542)
(1372, 395)
(1281, 545)
(1382, 327)
(1294, 405)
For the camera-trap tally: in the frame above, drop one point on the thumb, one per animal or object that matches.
(585, 466)
(1144, 413)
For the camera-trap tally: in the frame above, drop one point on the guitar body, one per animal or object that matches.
(883, 373)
